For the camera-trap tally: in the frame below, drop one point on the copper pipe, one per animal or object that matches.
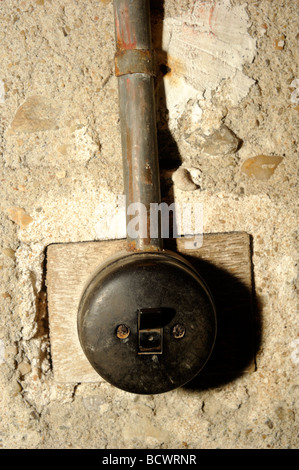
(135, 71)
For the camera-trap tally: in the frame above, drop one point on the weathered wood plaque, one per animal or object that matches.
(224, 261)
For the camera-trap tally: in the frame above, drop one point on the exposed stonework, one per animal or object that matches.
(232, 63)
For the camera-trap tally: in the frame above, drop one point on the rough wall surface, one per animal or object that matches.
(228, 140)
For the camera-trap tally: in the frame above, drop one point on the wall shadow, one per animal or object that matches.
(239, 328)
(169, 155)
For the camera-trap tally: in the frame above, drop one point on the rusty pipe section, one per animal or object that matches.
(135, 72)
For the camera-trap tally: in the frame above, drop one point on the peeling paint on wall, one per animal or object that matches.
(205, 47)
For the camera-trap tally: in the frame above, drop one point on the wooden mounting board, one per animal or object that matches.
(224, 260)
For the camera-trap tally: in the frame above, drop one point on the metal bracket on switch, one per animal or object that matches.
(150, 331)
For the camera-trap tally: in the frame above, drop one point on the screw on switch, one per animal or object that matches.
(123, 331)
(178, 331)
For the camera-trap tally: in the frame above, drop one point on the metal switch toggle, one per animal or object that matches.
(150, 331)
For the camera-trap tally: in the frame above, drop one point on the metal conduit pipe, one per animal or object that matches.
(135, 71)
